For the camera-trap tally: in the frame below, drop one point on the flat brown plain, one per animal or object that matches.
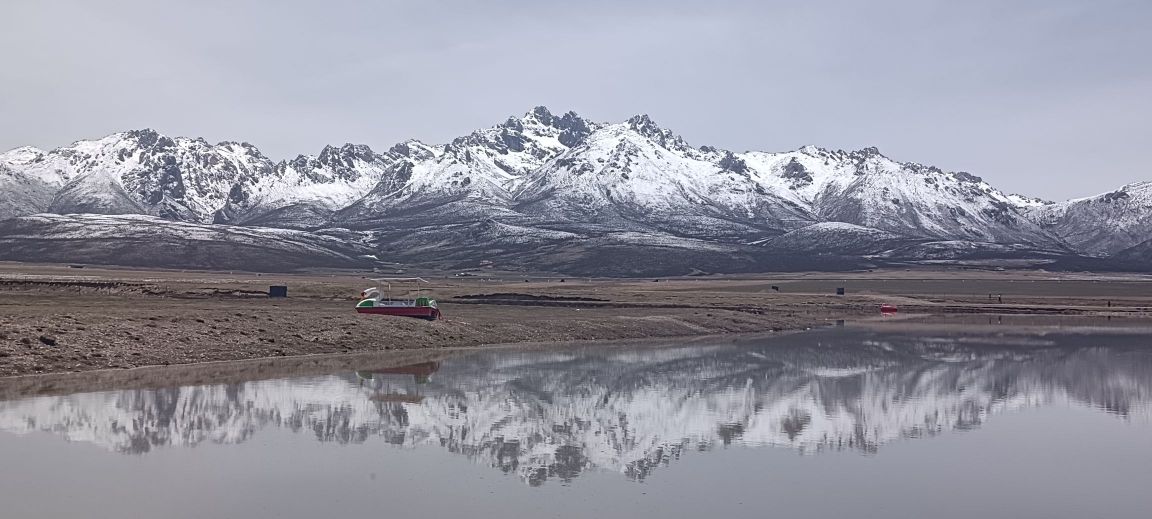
(59, 319)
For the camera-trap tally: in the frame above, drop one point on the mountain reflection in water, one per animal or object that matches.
(557, 413)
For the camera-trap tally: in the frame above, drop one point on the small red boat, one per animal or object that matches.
(888, 309)
(401, 308)
(421, 307)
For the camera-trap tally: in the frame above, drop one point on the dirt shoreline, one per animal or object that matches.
(55, 320)
(266, 368)
(103, 333)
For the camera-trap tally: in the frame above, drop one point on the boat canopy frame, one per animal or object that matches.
(388, 285)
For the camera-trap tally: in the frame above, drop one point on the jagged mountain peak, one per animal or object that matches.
(859, 155)
(640, 121)
(344, 154)
(868, 151)
(146, 136)
(344, 159)
(644, 125)
(487, 164)
(570, 129)
(157, 142)
(540, 113)
(416, 150)
(544, 116)
(573, 128)
(510, 136)
(245, 145)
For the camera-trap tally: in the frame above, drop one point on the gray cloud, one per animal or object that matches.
(1043, 97)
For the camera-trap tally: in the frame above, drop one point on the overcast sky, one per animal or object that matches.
(1050, 98)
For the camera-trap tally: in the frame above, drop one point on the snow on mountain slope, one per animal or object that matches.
(639, 176)
(467, 180)
(866, 188)
(481, 168)
(36, 164)
(1027, 202)
(22, 194)
(103, 192)
(305, 191)
(1102, 224)
(638, 172)
(145, 172)
(335, 178)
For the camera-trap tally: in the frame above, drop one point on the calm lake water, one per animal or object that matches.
(832, 423)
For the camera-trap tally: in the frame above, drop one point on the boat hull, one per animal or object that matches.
(421, 312)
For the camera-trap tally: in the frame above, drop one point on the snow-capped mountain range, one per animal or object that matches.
(556, 182)
(555, 414)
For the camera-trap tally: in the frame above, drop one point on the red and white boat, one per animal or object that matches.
(373, 302)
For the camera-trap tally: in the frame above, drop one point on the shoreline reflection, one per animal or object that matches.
(555, 414)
